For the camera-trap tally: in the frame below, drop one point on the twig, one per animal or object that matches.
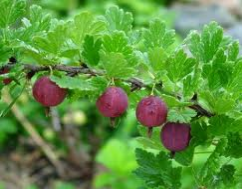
(136, 84)
(33, 133)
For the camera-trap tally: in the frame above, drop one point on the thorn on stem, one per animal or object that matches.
(149, 132)
(47, 111)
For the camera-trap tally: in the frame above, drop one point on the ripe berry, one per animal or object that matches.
(151, 112)
(176, 136)
(113, 102)
(4, 71)
(47, 93)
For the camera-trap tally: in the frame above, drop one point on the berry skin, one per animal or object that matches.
(4, 71)
(176, 136)
(151, 111)
(113, 102)
(47, 93)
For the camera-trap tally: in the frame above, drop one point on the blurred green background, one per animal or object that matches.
(96, 155)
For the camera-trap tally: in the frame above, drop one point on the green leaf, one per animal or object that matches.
(117, 42)
(213, 163)
(4, 52)
(234, 148)
(181, 115)
(157, 171)
(179, 65)
(157, 58)
(171, 101)
(100, 83)
(148, 143)
(205, 46)
(55, 42)
(91, 50)
(185, 157)
(118, 19)
(233, 51)
(33, 25)
(117, 66)
(158, 35)
(77, 83)
(226, 175)
(221, 125)
(85, 24)
(11, 11)
(199, 132)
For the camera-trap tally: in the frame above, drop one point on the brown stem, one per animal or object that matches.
(136, 84)
(149, 132)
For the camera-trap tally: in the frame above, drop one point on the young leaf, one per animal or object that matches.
(233, 51)
(158, 35)
(116, 65)
(33, 25)
(118, 19)
(157, 58)
(77, 83)
(85, 24)
(117, 42)
(91, 49)
(157, 171)
(181, 115)
(205, 46)
(11, 11)
(179, 65)
(54, 41)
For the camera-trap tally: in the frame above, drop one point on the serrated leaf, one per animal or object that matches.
(91, 49)
(72, 83)
(179, 65)
(226, 175)
(148, 143)
(171, 101)
(55, 40)
(158, 35)
(234, 148)
(117, 66)
(233, 51)
(118, 19)
(221, 125)
(205, 46)
(213, 163)
(85, 24)
(36, 56)
(199, 132)
(117, 42)
(181, 115)
(11, 11)
(33, 25)
(157, 58)
(157, 171)
(185, 157)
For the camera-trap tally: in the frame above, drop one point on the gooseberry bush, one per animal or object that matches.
(189, 92)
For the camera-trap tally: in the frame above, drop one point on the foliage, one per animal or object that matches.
(110, 46)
